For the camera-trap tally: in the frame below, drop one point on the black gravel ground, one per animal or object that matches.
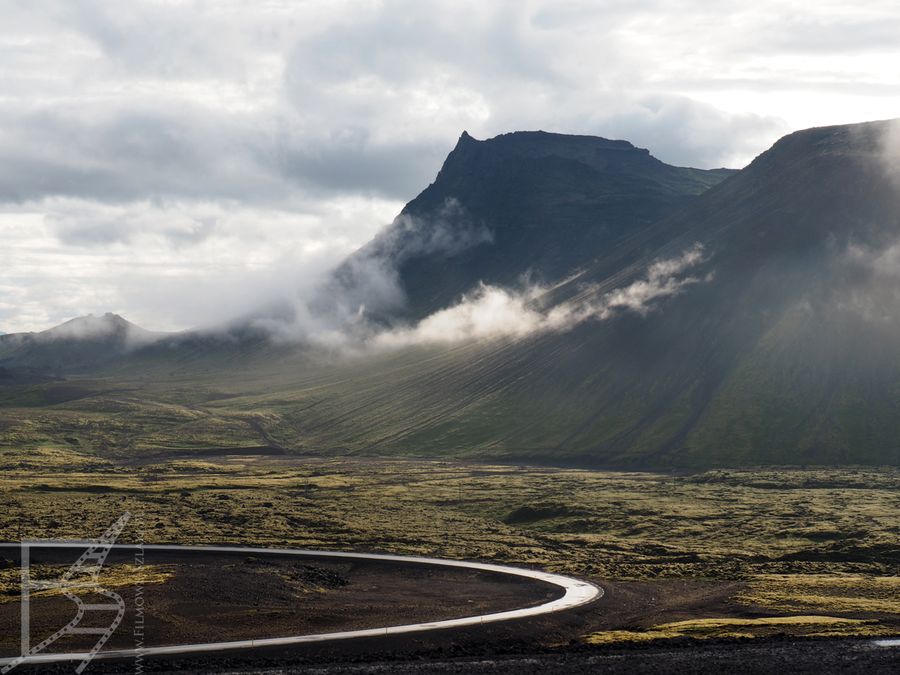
(812, 656)
(545, 644)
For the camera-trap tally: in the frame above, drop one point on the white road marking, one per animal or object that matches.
(577, 593)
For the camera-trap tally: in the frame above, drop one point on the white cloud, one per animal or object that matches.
(491, 312)
(168, 265)
(890, 152)
(140, 133)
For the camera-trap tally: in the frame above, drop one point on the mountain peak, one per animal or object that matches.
(517, 147)
(107, 328)
(541, 136)
(548, 141)
(84, 341)
(93, 326)
(465, 140)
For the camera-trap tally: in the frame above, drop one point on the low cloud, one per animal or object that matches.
(890, 150)
(450, 231)
(169, 265)
(347, 305)
(866, 283)
(865, 277)
(491, 312)
(352, 309)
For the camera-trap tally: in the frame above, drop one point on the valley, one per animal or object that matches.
(668, 382)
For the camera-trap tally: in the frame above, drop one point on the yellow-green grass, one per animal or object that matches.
(613, 524)
(807, 626)
(817, 541)
(110, 576)
(836, 592)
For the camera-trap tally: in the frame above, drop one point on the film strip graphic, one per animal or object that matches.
(81, 579)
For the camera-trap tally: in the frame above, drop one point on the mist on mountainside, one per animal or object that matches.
(777, 343)
(492, 312)
(504, 221)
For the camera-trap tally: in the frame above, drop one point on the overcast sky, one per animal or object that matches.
(176, 162)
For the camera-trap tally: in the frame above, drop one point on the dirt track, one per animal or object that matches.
(220, 597)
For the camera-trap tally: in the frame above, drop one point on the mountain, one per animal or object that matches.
(82, 343)
(782, 349)
(756, 322)
(532, 203)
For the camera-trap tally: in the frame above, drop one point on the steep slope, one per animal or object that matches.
(522, 203)
(788, 355)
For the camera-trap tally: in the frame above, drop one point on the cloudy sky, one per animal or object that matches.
(178, 161)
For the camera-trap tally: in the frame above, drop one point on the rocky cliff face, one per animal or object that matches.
(522, 203)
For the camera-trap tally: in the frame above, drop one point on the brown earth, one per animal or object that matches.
(222, 597)
(216, 597)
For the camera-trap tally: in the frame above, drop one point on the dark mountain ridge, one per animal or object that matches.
(527, 202)
(788, 354)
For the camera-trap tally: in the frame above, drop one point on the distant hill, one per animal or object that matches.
(82, 343)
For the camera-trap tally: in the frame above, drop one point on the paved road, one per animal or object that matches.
(576, 593)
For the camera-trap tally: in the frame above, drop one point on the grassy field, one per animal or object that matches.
(468, 402)
(118, 575)
(806, 626)
(820, 542)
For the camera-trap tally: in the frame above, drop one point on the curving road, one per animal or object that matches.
(576, 593)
